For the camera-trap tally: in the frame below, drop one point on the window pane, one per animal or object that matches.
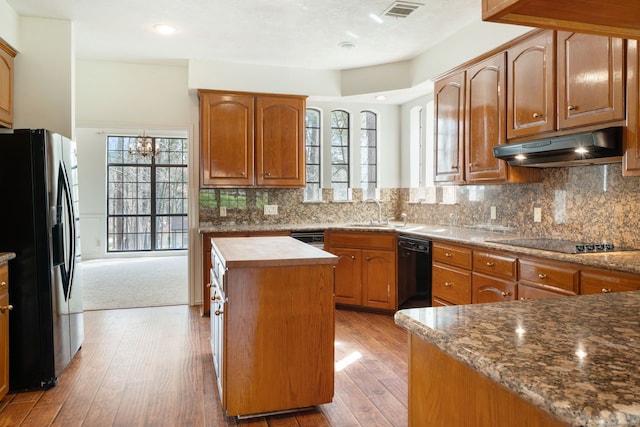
(139, 188)
(368, 151)
(312, 145)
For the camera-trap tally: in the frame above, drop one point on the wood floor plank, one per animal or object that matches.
(153, 366)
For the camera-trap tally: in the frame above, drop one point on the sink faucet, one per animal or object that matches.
(379, 208)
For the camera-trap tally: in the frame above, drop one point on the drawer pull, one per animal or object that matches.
(606, 290)
(536, 115)
(208, 285)
(524, 299)
(3, 284)
(448, 284)
(571, 107)
(490, 264)
(218, 312)
(542, 276)
(506, 294)
(6, 308)
(448, 255)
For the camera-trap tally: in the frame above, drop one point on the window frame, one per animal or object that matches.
(345, 148)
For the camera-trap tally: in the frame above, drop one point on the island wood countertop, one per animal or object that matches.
(269, 251)
(576, 358)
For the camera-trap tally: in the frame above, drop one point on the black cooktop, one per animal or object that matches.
(564, 246)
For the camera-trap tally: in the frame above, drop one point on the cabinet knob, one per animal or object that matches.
(448, 255)
(524, 299)
(455, 167)
(536, 115)
(267, 174)
(542, 276)
(3, 284)
(208, 285)
(505, 294)
(571, 107)
(471, 164)
(490, 264)
(448, 284)
(606, 290)
(218, 312)
(6, 308)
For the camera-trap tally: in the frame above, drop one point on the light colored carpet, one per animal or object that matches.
(134, 282)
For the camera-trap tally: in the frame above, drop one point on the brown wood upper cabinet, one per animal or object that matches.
(449, 93)
(619, 18)
(470, 119)
(559, 81)
(6, 84)
(631, 158)
(251, 140)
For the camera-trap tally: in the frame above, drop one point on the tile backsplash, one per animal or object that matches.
(590, 203)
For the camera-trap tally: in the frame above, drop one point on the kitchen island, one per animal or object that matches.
(552, 362)
(272, 324)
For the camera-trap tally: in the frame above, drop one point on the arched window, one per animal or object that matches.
(312, 191)
(368, 154)
(340, 154)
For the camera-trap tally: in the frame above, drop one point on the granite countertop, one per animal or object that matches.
(574, 357)
(6, 257)
(269, 252)
(626, 261)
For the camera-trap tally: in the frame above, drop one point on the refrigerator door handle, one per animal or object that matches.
(64, 197)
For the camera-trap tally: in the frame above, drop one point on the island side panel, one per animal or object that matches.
(444, 392)
(279, 347)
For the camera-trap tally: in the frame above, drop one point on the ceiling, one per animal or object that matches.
(289, 33)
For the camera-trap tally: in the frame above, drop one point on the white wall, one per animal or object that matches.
(44, 76)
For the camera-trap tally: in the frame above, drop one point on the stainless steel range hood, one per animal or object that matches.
(600, 146)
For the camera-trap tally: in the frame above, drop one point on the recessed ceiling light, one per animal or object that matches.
(164, 29)
(347, 45)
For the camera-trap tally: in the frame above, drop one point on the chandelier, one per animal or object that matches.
(144, 147)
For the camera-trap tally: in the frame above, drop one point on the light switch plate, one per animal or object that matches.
(223, 211)
(271, 209)
(493, 212)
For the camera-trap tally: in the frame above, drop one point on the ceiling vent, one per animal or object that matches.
(401, 9)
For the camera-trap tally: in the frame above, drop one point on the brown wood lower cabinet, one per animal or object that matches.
(272, 326)
(595, 281)
(366, 274)
(444, 392)
(451, 284)
(4, 329)
(490, 289)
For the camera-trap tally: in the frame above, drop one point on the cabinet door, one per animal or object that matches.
(4, 330)
(379, 274)
(218, 306)
(348, 279)
(532, 91)
(590, 79)
(486, 114)
(6, 88)
(489, 289)
(226, 140)
(280, 141)
(631, 158)
(449, 121)
(526, 292)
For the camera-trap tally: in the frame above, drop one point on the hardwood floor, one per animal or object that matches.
(153, 367)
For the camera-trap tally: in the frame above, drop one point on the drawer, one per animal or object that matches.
(373, 240)
(494, 264)
(451, 284)
(437, 302)
(549, 273)
(604, 281)
(526, 292)
(457, 256)
(4, 277)
(488, 289)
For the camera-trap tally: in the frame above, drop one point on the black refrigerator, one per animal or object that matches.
(40, 223)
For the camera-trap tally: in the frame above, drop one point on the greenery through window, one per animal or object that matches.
(146, 196)
(368, 154)
(312, 148)
(340, 154)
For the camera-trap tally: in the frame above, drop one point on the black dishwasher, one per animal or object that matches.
(414, 272)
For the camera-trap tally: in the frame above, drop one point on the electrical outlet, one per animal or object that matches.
(493, 212)
(223, 211)
(537, 215)
(271, 209)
